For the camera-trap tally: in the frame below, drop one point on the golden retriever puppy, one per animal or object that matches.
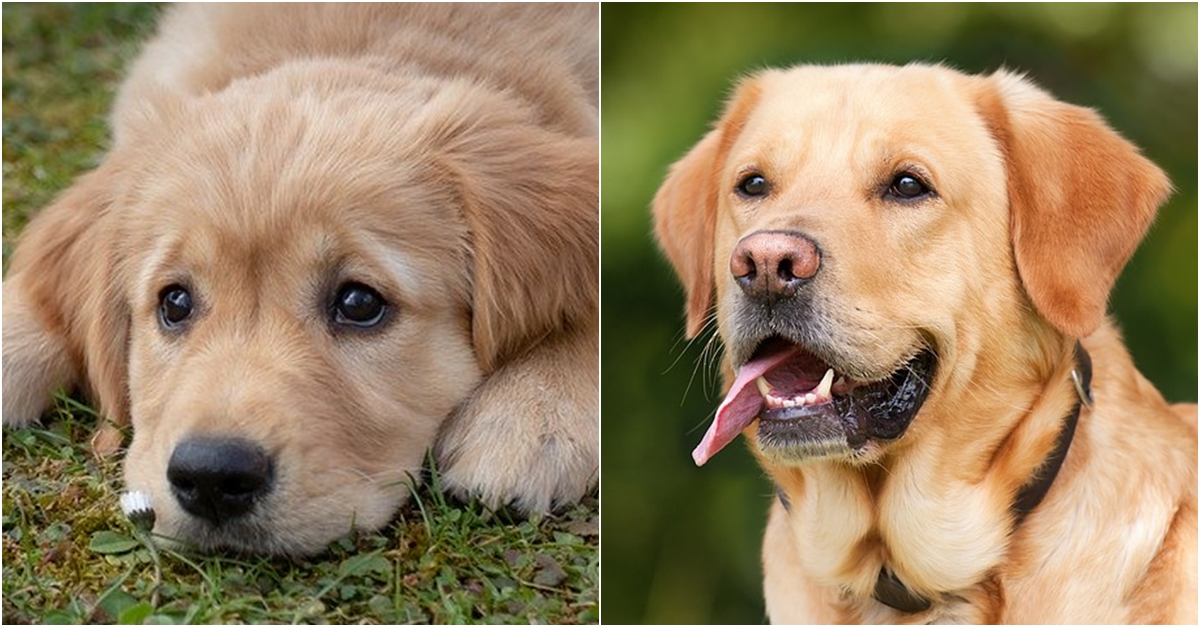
(327, 239)
(910, 269)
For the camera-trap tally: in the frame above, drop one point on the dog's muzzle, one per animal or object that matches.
(806, 407)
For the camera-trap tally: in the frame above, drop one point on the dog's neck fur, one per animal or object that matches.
(892, 592)
(948, 524)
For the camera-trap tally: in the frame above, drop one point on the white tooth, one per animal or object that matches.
(810, 399)
(826, 385)
(789, 403)
(764, 388)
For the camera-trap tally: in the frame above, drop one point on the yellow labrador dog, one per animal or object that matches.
(326, 239)
(910, 269)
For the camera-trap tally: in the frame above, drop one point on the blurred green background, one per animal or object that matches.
(680, 543)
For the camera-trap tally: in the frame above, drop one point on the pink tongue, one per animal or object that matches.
(741, 405)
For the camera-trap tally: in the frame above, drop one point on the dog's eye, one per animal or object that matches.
(174, 306)
(358, 305)
(907, 186)
(752, 186)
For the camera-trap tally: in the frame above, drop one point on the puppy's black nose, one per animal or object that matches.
(217, 478)
(769, 265)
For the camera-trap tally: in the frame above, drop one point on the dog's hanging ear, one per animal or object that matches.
(531, 203)
(65, 322)
(1081, 198)
(685, 216)
(685, 207)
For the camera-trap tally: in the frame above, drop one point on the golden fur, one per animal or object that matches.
(1038, 206)
(266, 154)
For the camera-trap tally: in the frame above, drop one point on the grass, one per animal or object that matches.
(62, 65)
(71, 556)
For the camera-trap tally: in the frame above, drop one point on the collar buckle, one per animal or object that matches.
(1081, 376)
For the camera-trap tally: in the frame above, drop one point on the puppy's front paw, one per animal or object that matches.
(36, 361)
(530, 435)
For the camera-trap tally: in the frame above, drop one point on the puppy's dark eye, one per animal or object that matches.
(752, 186)
(174, 306)
(907, 186)
(357, 305)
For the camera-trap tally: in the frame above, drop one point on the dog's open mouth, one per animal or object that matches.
(806, 409)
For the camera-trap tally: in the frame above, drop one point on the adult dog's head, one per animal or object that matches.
(910, 268)
(290, 283)
(873, 237)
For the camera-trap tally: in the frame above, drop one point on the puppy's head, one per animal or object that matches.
(871, 236)
(297, 279)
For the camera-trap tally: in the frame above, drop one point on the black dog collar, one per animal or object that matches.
(892, 592)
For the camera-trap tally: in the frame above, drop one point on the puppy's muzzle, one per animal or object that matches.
(772, 265)
(219, 479)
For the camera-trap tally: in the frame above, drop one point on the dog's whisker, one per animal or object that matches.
(701, 365)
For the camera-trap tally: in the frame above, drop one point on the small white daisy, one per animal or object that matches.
(137, 506)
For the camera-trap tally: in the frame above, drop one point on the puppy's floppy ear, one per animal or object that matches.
(65, 319)
(531, 203)
(1081, 198)
(685, 207)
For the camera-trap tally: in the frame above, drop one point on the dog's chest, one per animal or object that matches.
(850, 527)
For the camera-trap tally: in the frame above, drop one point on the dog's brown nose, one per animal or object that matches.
(773, 264)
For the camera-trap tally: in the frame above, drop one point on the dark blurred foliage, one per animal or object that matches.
(681, 544)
